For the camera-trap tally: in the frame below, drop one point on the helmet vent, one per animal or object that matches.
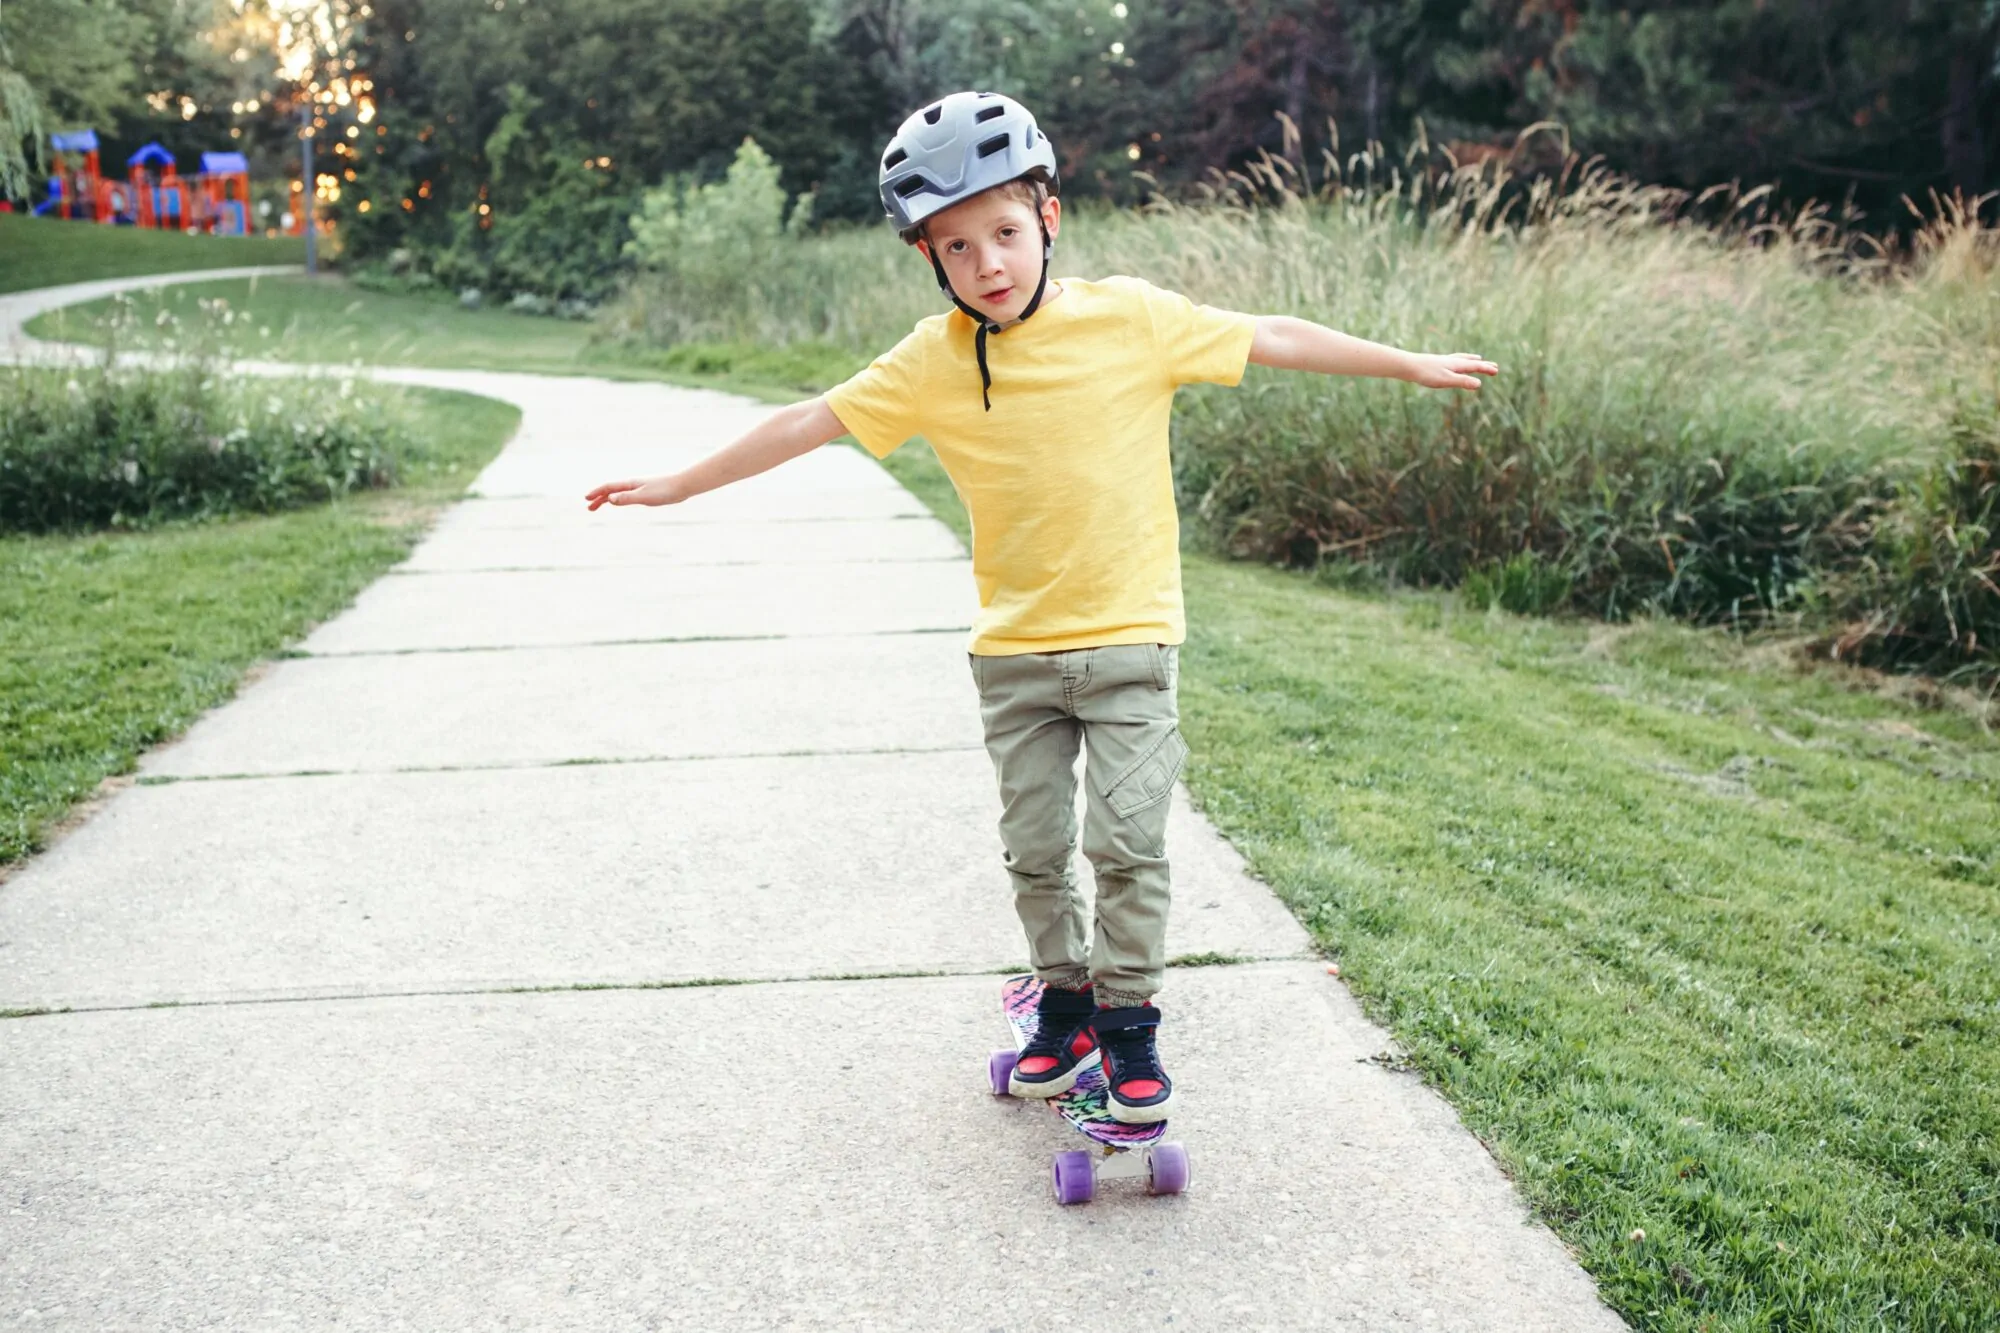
(932, 112)
(910, 185)
(988, 114)
(997, 144)
(895, 159)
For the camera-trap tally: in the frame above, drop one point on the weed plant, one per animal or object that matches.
(126, 446)
(1705, 409)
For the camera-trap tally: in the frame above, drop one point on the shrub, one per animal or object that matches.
(130, 446)
(1923, 587)
(701, 246)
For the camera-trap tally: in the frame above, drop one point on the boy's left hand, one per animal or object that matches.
(1451, 370)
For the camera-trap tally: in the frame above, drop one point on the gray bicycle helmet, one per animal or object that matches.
(951, 150)
(956, 147)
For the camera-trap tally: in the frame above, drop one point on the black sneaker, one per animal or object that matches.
(1141, 1092)
(1062, 1047)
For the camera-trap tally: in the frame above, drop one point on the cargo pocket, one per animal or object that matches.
(1151, 778)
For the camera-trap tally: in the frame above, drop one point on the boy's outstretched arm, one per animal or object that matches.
(1300, 344)
(784, 435)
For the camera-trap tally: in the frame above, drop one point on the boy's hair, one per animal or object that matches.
(1029, 190)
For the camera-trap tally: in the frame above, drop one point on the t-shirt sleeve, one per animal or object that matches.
(1199, 343)
(878, 405)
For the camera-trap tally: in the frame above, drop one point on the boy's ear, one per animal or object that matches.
(924, 249)
(1052, 215)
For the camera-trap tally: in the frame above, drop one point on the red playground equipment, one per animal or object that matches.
(158, 191)
(77, 191)
(222, 204)
(153, 194)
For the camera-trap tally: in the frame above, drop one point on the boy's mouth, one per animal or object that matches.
(1000, 295)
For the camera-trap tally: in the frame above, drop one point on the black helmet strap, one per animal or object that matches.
(987, 326)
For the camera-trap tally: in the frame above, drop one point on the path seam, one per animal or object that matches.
(508, 766)
(1184, 963)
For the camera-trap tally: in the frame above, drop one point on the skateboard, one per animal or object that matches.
(1124, 1152)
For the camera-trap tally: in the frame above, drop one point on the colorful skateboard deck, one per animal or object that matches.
(1087, 1108)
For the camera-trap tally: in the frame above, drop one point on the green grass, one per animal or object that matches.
(1698, 948)
(41, 252)
(111, 643)
(329, 321)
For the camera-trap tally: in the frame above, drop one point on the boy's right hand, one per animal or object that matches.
(665, 490)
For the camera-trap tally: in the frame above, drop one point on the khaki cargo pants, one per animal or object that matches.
(1117, 703)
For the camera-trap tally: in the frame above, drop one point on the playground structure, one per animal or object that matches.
(78, 191)
(160, 195)
(224, 193)
(153, 194)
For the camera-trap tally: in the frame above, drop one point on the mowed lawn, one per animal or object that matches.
(328, 320)
(44, 252)
(113, 642)
(1704, 951)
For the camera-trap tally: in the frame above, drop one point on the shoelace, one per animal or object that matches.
(1132, 1053)
(1053, 1034)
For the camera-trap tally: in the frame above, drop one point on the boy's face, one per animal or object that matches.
(992, 251)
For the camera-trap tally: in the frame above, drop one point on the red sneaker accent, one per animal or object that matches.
(1083, 1043)
(1139, 1089)
(1037, 1064)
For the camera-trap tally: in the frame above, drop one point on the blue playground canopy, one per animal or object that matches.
(224, 164)
(152, 155)
(76, 141)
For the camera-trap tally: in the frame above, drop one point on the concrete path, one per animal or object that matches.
(630, 757)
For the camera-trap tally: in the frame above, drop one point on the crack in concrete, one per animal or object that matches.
(578, 987)
(504, 766)
(294, 654)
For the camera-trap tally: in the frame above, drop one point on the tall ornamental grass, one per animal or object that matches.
(132, 445)
(1705, 409)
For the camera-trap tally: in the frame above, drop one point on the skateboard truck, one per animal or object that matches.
(1163, 1166)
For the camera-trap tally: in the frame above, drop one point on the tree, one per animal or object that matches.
(20, 123)
(1821, 97)
(530, 128)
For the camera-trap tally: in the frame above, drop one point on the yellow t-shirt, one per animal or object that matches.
(1075, 540)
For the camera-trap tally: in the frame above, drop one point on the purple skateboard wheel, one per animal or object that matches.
(1000, 1071)
(1167, 1169)
(1074, 1180)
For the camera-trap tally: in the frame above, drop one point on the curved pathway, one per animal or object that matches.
(445, 906)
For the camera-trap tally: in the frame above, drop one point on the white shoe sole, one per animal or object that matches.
(1140, 1115)
(1055, 1087)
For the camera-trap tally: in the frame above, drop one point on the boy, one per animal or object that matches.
(1062, 462)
